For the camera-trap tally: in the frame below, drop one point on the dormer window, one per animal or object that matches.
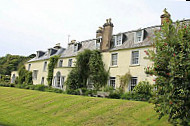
(118, 40)
(97, 42)
(139, 36)
(75, 47)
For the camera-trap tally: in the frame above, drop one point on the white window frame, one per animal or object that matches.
(142, 36)
(29, 66)
(112, 80)
(45, 66)
(112, 59)
(42, 81)
(75, 47)
(70, 62)
(35, 74)
(60, 63)
(98, 43)
(116, 40)
(130, 85)
(132, 57)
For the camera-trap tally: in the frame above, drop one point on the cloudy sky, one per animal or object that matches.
(30, 25)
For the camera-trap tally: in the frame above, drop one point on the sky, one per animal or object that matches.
(30, 25)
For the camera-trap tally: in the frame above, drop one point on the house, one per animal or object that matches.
(122, 53)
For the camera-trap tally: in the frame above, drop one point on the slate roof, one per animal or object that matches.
(91, 44)
(46, 55)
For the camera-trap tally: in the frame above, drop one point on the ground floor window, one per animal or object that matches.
(13, 78)
(133, 83)
(58, 81)
(42, 81)
(90, 84)
(112, 82)
(35, 74)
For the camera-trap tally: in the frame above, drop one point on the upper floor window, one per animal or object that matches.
(114, 59)
(133, 83)
(60, 63)
(112, 82)
(135, 57)
(35, 74)
(97, 42)
(29, 66)
(75, 47)
(139, 36)
(118, 40)
(45, 66)
(70, 62)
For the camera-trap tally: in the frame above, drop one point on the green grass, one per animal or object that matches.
(19, 107)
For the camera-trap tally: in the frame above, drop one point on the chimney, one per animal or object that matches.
(165, 17)
(107, 35)
(72, 42)
(99, 32)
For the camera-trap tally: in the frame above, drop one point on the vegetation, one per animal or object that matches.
(33, 108)
(52, 63)
(89, 65)
(25, 77)
(124, 80)
(172, 69)
(11, 63)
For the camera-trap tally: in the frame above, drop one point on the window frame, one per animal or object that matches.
(112, 59)
(29, 66)
(60, 63)
(75, 47)
(132, 57)
(70, 62)
(45, 66)
(35, 75)
(113, 79)
(130, 86)
(142, 36)
(116, 40)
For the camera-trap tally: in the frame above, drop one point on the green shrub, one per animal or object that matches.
(142, 91)
(40, 87)
(127, 96)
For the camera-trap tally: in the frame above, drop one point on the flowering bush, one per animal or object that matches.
(171, 66)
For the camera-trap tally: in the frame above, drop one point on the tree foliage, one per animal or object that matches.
(52, 63)
(25, 77)
(98, 75)
(89, 65)
(10, 63)
(172, 69)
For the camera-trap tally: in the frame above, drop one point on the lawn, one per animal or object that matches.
(21, 107)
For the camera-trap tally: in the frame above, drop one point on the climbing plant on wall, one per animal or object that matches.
(89, 65)
(25, 77)
(52, 63)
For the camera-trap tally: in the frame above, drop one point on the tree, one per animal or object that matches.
(171, 66)
(89, 64)
(98, 75)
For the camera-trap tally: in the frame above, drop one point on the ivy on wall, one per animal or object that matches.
(89, 65)
(124, 79)
(25, 77)
(52, 63)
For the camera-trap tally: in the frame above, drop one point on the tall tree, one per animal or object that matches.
(171, 66)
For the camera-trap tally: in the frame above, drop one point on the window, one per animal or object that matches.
(139, 36)
(112, 82)
(133, 83)
(42, 81)
(118, 40)
(45, 65)
(58, 78)
(135, 57)
(114, 59)
(60, 63)
(75, 47)
(29, 66)
(35, 73)
(70, 63)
